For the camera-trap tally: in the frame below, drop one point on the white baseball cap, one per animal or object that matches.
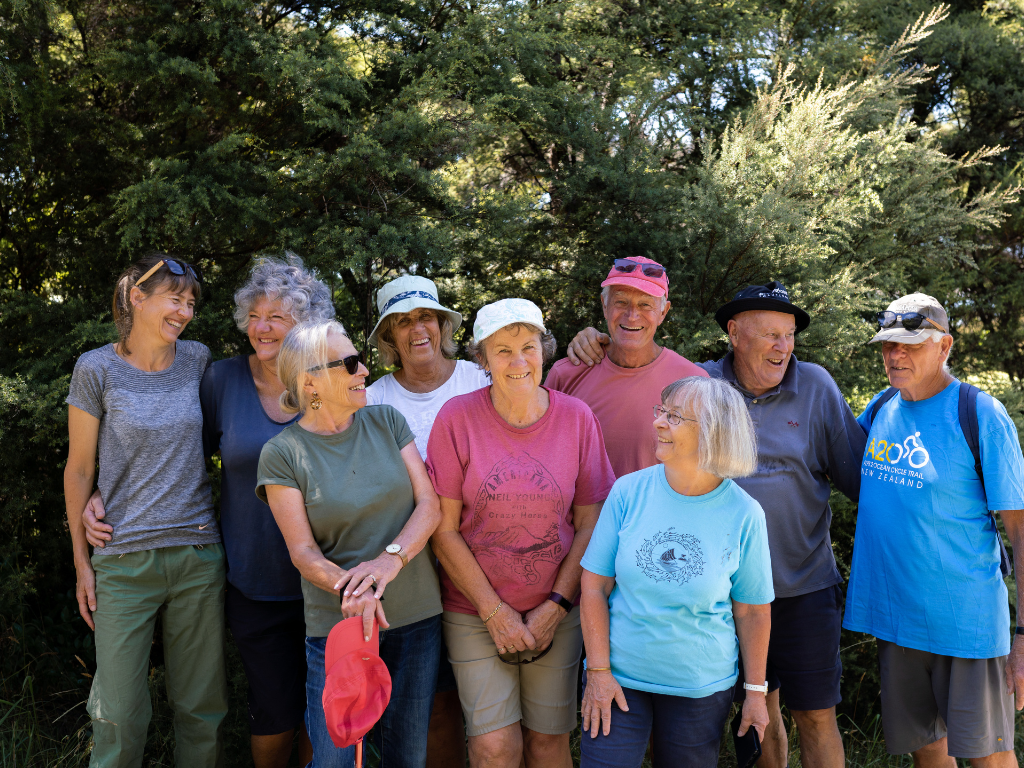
(932, 320)
(406, 293)
(494, 317)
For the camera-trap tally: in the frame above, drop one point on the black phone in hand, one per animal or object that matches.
(748, 746)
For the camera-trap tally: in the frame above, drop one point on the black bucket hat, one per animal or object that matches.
(772, 297)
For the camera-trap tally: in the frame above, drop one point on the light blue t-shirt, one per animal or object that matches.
(925, 572)
(678, 562)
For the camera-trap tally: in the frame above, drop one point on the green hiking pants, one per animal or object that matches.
(186, 584)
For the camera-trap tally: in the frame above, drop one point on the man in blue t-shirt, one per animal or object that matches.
(926, 577)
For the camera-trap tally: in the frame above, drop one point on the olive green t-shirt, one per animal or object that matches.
(358, 497)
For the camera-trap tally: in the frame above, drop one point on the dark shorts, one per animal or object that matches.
(683, 732)
(271, 639)
(803, 653)
(928, 696)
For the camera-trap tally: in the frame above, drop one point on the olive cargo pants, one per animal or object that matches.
(187, 583)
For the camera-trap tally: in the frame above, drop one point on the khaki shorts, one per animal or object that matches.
(926, 696)
(493, 694)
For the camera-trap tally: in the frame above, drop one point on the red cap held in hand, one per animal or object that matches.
(358, 684)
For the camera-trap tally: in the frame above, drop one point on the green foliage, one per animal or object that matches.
(855, 149)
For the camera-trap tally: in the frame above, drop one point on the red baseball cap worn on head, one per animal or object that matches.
(358, 686)
(635, 278)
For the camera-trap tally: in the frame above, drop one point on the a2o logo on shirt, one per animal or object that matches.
(893, 452)
(671, 556)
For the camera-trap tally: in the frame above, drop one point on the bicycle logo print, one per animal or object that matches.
(881, 450)
(888, 454)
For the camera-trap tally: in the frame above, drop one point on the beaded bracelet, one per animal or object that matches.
(496, 609)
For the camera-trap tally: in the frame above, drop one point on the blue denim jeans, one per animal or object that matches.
(687, 732)
(411, 655)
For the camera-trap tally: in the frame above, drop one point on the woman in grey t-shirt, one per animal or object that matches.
(135, 406)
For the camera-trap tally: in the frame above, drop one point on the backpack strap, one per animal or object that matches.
(967, 412)
(888, 395)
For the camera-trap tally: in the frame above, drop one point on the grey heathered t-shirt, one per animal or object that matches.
(152, 471)
(806, 435)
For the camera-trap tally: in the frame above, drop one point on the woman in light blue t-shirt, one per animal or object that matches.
(677, 580)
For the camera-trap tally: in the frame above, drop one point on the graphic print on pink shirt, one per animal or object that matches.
(516, 492)
(518, 488)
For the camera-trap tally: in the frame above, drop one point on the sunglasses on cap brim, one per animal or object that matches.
(175, 267)
(628, 265)
(910, 321)
(351, 364)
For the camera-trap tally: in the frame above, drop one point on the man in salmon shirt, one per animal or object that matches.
(622, 389)
(806, 436)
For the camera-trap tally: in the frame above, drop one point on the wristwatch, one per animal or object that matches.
(556, 598)
(759, 688)
(396, 549)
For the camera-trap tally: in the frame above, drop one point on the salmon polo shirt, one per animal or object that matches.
(623, 400)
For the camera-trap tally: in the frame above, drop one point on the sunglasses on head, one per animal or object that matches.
(628, 265)
(175, 267)
(911, 321)
(351, 364)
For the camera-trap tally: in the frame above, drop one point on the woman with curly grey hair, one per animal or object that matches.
(241, 411)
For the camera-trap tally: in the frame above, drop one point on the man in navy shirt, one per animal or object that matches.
(926, 578)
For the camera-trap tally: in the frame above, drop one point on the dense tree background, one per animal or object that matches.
(855, 149)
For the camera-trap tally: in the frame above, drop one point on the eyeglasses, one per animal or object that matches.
(628, 265)
(911, 321)
(672, 417)
(351, 364)
(524, 661)
(175, 267)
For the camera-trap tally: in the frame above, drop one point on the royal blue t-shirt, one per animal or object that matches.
(678, 562)
(925, 572)
(235, 423)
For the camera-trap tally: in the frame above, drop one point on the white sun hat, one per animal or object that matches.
(494, 317)
(406, 293)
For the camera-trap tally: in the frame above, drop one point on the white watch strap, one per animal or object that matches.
(759, 688)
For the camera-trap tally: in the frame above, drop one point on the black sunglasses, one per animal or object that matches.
(175, 267)
(911, 321)
(351, 364)
(524, 661)
(628, 265)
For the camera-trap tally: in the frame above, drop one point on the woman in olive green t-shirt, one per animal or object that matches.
(352, 498)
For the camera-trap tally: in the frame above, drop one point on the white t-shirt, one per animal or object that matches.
(420, 408)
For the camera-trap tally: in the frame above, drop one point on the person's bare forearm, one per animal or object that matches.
(315, 568)
(419, 527)
(567, 582)
(78, 487)
(753, 628)
(1013, 520)
(595, 622)
(462, 568)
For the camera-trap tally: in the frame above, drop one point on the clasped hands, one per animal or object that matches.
(535, 629)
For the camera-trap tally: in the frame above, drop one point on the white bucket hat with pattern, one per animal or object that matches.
(494, 317)
(406, 293)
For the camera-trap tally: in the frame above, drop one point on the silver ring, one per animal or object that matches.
(373, 579)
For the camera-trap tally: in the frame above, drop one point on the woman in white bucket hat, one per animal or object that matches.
(522, 472)
(414, 333)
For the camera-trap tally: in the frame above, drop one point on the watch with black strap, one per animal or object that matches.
(556, 598)
(1019, 631)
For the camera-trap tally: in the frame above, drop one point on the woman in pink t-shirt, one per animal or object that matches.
(522, 474)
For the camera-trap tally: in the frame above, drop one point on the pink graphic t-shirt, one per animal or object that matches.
(518, 488)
